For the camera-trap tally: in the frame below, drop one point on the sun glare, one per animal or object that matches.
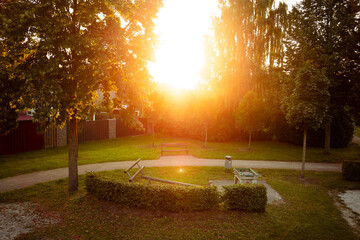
(181, 26)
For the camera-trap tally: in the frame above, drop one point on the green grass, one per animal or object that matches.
(308, 211)
(132, 148)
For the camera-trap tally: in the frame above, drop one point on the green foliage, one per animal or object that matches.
(161, 197)
(326, 34)
(66, 50)
(247, 197)
(250, 113)
(351, 170)
(10, 92)
(341, 131)
(308, 101)
(357, 131)
(246, 35)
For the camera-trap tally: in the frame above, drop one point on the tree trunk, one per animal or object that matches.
(205, 136)
(249, 139)
(327, 137)
(303, 156)
(73, 154)
(153, 130)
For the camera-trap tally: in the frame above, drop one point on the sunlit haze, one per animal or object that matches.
(181, 26)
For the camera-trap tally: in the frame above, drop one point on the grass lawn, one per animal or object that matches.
(308, 211)
(132, 148)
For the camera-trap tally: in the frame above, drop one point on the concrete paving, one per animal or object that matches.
(25, 180)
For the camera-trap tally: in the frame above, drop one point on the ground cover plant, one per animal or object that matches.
(132, 148)
(307, 213)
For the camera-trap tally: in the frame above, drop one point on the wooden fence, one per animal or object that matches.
(26, 138)
(50, 138)
(22, 139)
(93, 130)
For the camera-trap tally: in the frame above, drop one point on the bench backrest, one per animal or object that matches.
(174, 145)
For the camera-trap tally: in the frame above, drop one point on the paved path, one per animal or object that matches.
(25, 180)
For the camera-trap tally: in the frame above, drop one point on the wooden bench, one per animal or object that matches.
(183, 147)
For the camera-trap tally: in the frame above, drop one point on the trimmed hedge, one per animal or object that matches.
(168, 198)
(248, 197)
(351, 170)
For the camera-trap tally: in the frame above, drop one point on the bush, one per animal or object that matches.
(248, 197)
(351, 170)
(168, 198)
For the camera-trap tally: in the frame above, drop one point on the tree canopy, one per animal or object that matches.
(63, 51)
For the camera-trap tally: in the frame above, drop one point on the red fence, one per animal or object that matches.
(22, 139)
(25, 137)
(93, 130)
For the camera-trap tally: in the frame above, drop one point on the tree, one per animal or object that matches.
(326, 33)
(250, 114)
(307, 102)
(247, 38)
(155, 111)
(8, 114)
(63, 51)
(206, 110)
(10, 93)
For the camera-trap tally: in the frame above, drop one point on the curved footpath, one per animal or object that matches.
(25, 180)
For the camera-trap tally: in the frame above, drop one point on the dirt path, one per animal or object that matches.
(19, 218)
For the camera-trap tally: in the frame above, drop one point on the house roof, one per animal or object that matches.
(23, 117)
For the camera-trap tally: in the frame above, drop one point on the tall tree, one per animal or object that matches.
(306, 102)
(156, 110)
(205, 111)
(248, 37)
(250, 114)
(326, 33)
(65, 50)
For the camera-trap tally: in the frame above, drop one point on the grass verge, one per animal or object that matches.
(308, 211)
(132, 148)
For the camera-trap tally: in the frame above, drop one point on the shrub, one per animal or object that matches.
(351, 170)
(161, 197)
(248, 197)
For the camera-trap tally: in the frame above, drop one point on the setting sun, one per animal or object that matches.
(181, 26)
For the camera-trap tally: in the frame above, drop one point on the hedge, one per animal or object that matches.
(160, 197)
(351, 170)
(247, 197)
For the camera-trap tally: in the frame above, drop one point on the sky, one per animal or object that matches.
(181, 27)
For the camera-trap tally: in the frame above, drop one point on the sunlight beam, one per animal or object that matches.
(181, 26)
